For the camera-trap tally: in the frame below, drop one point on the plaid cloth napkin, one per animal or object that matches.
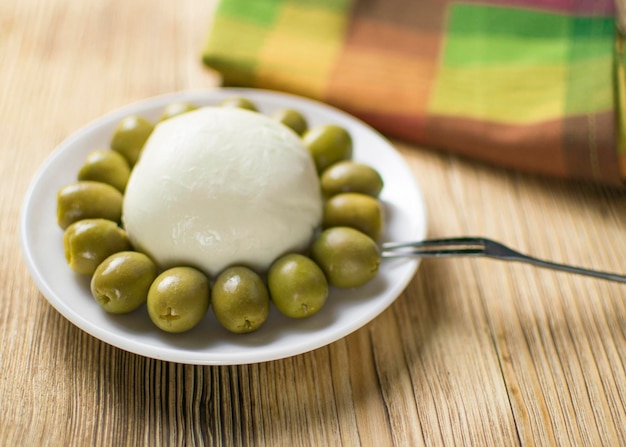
(536, 85)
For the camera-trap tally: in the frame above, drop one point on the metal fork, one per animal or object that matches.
(479, 246)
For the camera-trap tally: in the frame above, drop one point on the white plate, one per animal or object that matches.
(208, 343)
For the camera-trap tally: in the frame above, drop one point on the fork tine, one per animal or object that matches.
(452, 242)
(427, 253)
(432, 248)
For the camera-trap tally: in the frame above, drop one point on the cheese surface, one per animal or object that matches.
(219, 187)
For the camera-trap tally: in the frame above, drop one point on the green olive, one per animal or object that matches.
(130, 136)
(348, 257)
(292, 119)
(351, 209)
(175, 109)
(178, 299)
(121, 282)
(86, 200)
(88, 242)
(239, 102)
(240, 300)
(350, 176)
(297, 286)
(328, 145)
(106, 166)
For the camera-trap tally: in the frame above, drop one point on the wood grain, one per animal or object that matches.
(474, 352)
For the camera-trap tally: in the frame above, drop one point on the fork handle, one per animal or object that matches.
(562, 267)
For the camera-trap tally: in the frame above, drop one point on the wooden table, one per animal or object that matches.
(474, 352)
